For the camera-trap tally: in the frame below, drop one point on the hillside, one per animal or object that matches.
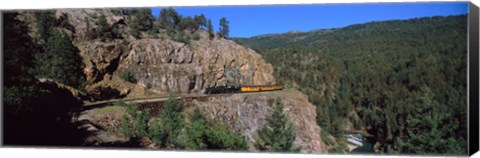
(403, 81)
(155, 61)
(60, 61)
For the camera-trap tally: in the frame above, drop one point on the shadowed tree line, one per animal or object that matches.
(38, 113)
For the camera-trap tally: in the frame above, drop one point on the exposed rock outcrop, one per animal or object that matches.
(246, 113)
(161, 64)
(165, 65)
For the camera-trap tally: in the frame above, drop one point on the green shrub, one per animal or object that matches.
(65, 24)
(117, 12)
(156, 132)
(169, 130)
(141, 123)
(135, 32)
(131, 108)
(125, 127)
(195, 37)
(341, 146)
(325, 139)
(127, 76)
(103, 28)
(202, 134)
(149, 85)
(239, 42)
(171, 32)
(221, 137)
(44, 22)
(182, 37)
(117, 32)
(120, 102)
(165, 132)
(153, 32)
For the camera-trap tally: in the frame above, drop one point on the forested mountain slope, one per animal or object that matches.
(401, 81)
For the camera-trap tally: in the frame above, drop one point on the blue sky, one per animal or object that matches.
(247, 21)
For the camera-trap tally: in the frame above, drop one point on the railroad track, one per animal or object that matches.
(150, 99)
(163, 98)
(145, 100)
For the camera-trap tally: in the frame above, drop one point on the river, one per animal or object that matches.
(359, 145)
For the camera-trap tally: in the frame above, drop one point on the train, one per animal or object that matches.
(242, 89)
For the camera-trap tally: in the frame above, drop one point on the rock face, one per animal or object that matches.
(161, 64)
(246, 113)
(83, 20)
(165, 65)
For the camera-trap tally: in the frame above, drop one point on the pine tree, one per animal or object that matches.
(224, 27)
(426, 132)
(201, 21)
(196, 131)
(45, 22)
(141, 123)
(277, 134)
(125, 127)
(210, 28)
(188, 23)
(166, 131)
(135, 31)
(18, 82)
(142, 20)
(28, 104)
(60, 61)
(169, 18)
(154, 30)
(323, 118)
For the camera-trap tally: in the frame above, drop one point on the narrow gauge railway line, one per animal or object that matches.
(159, 100)
(138, 100)
(222, 91)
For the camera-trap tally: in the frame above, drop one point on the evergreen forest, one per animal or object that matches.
(401, 83)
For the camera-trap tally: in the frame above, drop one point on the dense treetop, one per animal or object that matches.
(382, 78)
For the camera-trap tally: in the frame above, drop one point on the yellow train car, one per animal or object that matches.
(246, 89)
(267, 88)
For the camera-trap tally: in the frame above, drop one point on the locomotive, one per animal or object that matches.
(242, 89)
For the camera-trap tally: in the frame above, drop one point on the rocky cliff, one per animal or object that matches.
(246, 113)
(165, 65)
(159, 64)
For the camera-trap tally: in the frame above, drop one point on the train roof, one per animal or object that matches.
(258, 85)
